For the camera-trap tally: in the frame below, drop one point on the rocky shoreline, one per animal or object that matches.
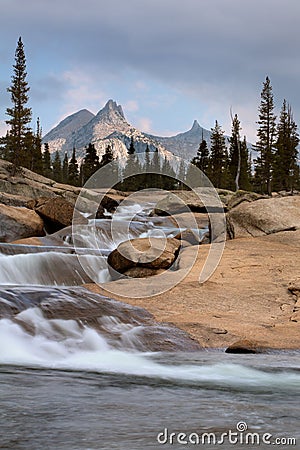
(252, 296)
(250, 304)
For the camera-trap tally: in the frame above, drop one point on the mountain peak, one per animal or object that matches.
(111, 109)
(195, 126)
(69, 125)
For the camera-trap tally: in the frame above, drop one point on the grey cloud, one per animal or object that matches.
(46, 87)
(227, 46)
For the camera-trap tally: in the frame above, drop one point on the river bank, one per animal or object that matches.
(252, 295)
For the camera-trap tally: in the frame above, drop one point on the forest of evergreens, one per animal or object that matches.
(228, 163)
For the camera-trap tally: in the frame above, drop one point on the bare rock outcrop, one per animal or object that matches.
(263, 217)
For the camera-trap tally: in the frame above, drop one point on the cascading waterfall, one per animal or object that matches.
(64, 344)
(97, 375)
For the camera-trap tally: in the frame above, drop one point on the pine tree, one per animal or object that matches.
(181, 175)
(239, 173)
(36, 153)
(56, 168)
(73, 173)
(90, 163)
(17, 140)
(235, 155)
(46, 159)
(201, 160)
(285, 157)
(168, 180)
(218, 156)
(155, 168)
(146, 167)
(131, 149)
(81, 183)
(107, 157)
(266, 134)
(130, 181)
(245, 173)
(65, 169)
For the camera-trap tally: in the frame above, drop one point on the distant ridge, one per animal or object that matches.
(187, 143)
(109, 126)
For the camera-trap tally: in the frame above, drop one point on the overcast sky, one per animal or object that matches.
(167, 62)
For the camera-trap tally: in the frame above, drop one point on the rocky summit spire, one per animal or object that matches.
(195, 126)
(111, 110)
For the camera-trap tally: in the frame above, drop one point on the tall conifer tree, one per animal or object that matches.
(235, 155)
(36, 150)
(218, 156)
(201, 160)
(17, 139)
(132, 167)
(73, 174)
(90, 163)
(107, 156)
(46, 158)
(56, 168)
(266, 134)
(147, 163)
(65, 169)
(285, 157)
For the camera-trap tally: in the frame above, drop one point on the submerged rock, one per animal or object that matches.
(123, 326)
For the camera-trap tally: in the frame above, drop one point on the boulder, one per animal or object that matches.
(243, 346)
(174, 204)
(56, 212)
(142, 272)
(18, 223)
(190, 236)
(202, 201)
(243, 196)
(153, 254)
(264, 216)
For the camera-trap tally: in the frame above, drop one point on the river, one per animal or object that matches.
(66, 387)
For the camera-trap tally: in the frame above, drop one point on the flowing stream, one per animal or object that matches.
(65, 386)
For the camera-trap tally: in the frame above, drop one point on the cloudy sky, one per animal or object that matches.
(167, 62)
